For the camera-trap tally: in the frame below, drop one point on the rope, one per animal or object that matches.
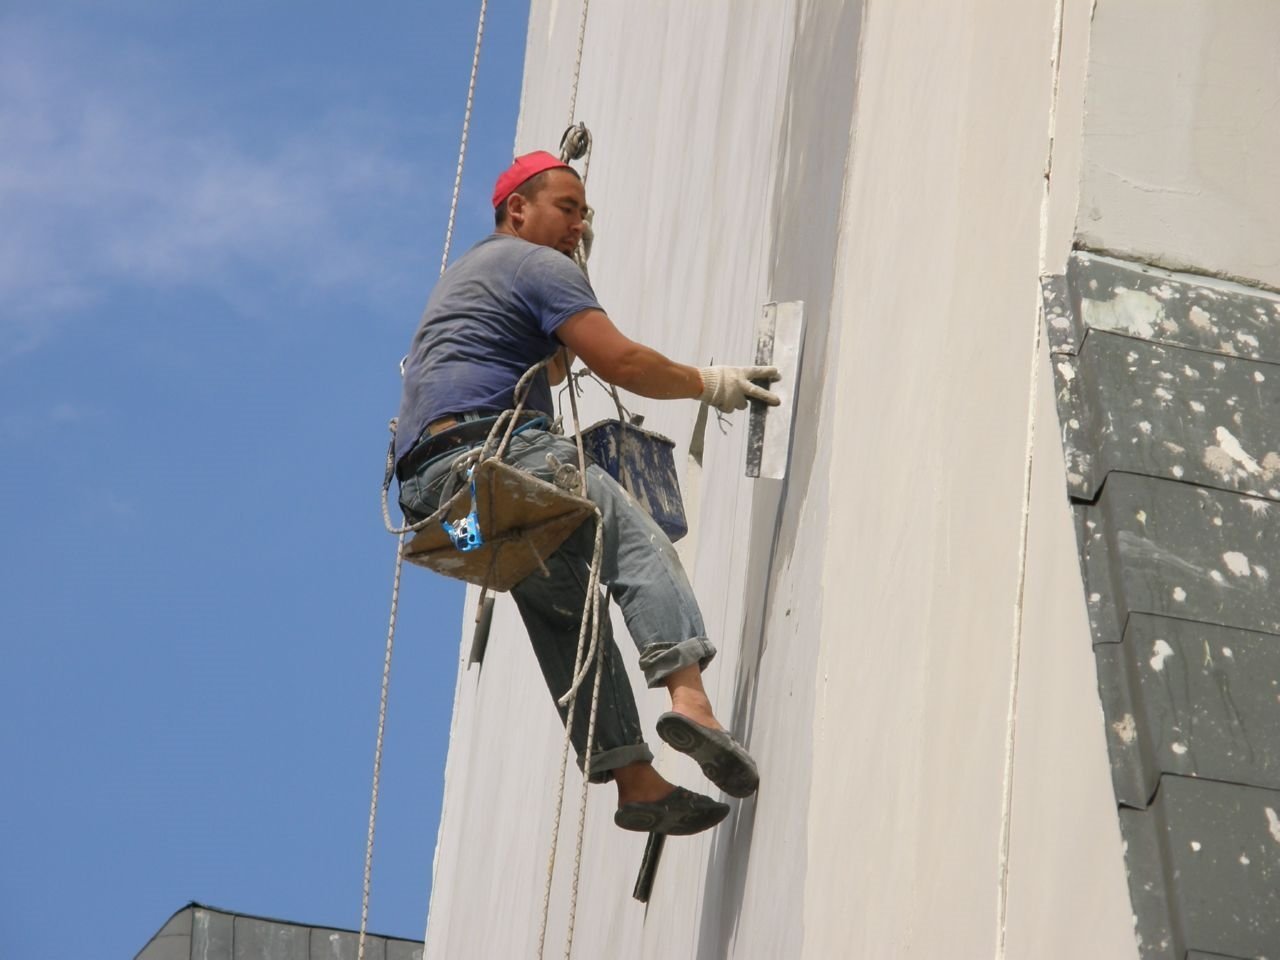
(462, 144)
(400, 532)
(577, 61)
(576, 142)
(377, 751)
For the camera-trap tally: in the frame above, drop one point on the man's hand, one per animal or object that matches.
(729, 388)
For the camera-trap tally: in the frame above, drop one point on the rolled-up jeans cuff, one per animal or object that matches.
(660, 660)
(606, 761)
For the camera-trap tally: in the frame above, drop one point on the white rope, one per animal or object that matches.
(591, 603)
(590, 616)
(400, 532)
(377, 750)
(581, 665)
(577, 62)
(462, 144)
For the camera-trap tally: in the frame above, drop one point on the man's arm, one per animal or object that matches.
(643, 370)
(619, 360)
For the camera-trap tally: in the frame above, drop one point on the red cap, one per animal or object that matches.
(524, 168)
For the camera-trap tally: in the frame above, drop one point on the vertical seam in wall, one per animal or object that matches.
(832, 359)
(1015, 652)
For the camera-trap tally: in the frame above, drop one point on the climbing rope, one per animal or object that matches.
(399, 562)
(581, 665)
(462, 143)
(577, 61)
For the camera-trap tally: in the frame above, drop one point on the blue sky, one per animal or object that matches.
(220, 224)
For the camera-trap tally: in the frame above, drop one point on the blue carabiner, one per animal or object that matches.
(465, 533)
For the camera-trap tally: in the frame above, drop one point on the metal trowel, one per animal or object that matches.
(779, 343)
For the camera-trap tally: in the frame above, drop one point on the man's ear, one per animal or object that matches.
(515, 209)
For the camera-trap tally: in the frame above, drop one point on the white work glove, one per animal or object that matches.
(729, 388)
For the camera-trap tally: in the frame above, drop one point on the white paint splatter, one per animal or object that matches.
(1178, 748)
(1259, 508)
(1216, 521)
(1180, 596)
(1195, 846)
(1162, 652)
(1191, 372)
(1248, 339)
(1196, 406)
(1217, 577)
(1141, 517)
(1261, 572)
(1144, 426)
(1258, 377)
(1228, 653)
(1231, 446)
(1131, 311)
(1073, 423)
(1095, 597)
(1273, 824)
(1236, 562)
(1068, 372)
(1163, 394)
(1126, 728)
(1244, 858)
(1177, 472)
(1199, 318)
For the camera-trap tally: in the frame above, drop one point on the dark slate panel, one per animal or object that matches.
(1203, 313)
(270, 940)
(1164, 411)
(1204, 868)
(1190, 698)
(1177, 550)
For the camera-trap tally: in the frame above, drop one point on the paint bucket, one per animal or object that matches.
(644, 463)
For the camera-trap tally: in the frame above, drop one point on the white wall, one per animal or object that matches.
(885, 165)
(1180, 139)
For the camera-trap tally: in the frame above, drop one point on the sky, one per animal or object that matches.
(220, 224)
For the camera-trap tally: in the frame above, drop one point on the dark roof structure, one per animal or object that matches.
(1168, 394)
(198, 932)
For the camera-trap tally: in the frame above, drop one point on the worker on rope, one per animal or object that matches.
(512, 300)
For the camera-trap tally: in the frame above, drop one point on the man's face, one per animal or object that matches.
(553, 218)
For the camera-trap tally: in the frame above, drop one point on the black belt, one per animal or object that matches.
(465, 434)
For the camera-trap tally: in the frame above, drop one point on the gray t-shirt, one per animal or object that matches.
(493, 315)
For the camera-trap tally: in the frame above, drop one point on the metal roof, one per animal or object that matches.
(207, 933)
(1168, 390)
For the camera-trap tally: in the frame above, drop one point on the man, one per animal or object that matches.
(512, 300)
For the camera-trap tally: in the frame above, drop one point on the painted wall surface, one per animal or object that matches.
(945, 221)
(1180, 135)
(885, 163)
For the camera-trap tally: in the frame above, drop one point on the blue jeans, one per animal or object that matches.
(643, 575)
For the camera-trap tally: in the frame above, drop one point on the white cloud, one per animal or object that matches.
(108, 182)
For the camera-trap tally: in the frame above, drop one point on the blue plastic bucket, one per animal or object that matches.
(644, 463)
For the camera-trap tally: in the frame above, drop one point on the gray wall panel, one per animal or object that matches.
(1204, 866)
(1192, 699)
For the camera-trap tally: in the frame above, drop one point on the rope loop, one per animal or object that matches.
(575, 143)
